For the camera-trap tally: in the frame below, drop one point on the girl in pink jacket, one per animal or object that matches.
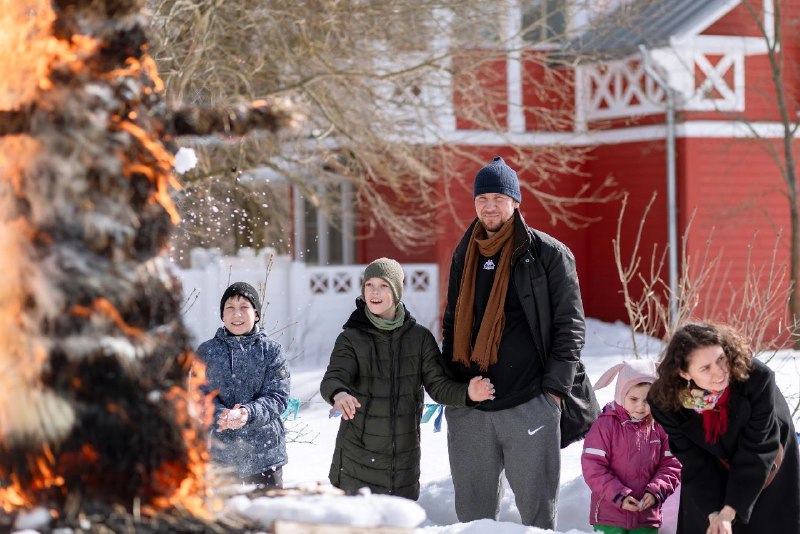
(626, 459)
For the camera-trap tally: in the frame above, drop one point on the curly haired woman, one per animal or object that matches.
(732, 430)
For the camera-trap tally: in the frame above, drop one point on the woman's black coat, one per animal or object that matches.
(758, 420)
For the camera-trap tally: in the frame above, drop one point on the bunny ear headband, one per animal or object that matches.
(628, 374)
(608, 376)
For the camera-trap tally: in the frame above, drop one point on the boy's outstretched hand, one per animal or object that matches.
(480, 389)
(346, 404)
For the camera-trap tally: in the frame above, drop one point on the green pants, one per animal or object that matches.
(605, 529)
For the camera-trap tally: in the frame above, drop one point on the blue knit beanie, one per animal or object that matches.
(497, 177)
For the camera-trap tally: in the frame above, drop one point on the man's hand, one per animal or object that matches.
(346, 404)
(556, 398)
(480, 389)
(721, 522)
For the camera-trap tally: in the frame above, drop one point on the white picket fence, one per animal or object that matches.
(305, 305)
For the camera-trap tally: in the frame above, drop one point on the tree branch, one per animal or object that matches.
(196, 121)
(236, 120)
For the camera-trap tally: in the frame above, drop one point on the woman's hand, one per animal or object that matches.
(721, 522)
(480, 389)
(346, 404)
(232, 419)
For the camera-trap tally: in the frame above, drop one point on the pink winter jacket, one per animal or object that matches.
(622, 457)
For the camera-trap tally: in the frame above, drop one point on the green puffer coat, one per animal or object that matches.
(385, 370)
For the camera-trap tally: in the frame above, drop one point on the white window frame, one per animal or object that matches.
(347, 216)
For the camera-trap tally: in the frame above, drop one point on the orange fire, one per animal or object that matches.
(103, 307)
(30, 50)
(159, 173)
(192, 403)
(159, 167)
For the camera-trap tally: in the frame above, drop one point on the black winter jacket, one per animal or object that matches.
(251, 371)
(385, 370)
(758, 420)
(543, 271)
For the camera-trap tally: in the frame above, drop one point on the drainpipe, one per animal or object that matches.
(672, 212)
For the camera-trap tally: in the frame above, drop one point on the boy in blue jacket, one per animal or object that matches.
(247, 371)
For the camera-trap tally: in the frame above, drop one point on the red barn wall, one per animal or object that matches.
(736, 192)
(480, 89)
(739, 21)
(378, 244)
(548, 94)
(640, 170)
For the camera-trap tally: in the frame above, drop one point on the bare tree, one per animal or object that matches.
(771, 22)
(646, 312)
(771, 27)
(376, 79)
(752, 306)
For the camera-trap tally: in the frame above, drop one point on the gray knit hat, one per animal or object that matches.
(389, 270)
(497, 177)
(242, 289)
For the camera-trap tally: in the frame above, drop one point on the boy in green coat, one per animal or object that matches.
(378, 367)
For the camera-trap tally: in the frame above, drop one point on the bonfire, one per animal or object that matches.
(99, 422)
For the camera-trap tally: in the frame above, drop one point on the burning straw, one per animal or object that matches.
(94, 357)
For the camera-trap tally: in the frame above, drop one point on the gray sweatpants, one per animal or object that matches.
(523, 440)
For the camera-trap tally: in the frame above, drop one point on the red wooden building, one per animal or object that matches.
(713, 56)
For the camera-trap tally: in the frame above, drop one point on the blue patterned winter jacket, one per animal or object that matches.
(249, 370)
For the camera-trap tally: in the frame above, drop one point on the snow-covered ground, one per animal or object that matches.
(310, 455)
(313, 435)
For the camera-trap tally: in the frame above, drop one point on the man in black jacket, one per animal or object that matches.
(514, 314)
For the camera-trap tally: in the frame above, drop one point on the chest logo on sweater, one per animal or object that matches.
(489, 265)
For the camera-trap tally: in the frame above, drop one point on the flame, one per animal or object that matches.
(201, 404)
(191, 403)
(17, 495)
(134, 67)
(28, 49)
(30, 52)
(104, 307)
(13, 497)
(162, 175)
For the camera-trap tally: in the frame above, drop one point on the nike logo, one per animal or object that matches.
(532, 432)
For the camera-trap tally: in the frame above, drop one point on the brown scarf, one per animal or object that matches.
(484, 353)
